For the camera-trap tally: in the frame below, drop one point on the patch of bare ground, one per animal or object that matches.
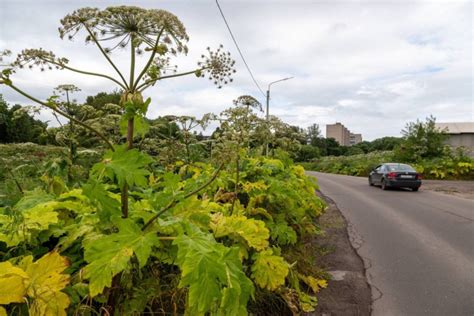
(348, 292)
(464, 189)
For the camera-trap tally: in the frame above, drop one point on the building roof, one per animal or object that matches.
(457, 128)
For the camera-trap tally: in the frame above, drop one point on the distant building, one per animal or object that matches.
(355, 139)
(342, 135)
(460, 134)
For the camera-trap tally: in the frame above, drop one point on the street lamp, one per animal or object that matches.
(268, 102)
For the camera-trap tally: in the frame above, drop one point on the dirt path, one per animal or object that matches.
(464, 189)
(348, 292)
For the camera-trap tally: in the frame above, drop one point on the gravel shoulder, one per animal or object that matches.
(463, 189)
(348, 292)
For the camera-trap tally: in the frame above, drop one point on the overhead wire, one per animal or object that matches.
(238, 49)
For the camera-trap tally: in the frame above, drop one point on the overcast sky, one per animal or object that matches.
(372, 65)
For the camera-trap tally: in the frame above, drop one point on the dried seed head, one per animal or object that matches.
(247, 101)
(66, 88)
(218, 66)
(39, 58)
(123, 23)
(4, 53)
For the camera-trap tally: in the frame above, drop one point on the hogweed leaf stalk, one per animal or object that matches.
(47, 60)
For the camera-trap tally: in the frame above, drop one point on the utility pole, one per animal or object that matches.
(268, 105)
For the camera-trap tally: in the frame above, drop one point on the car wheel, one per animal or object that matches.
(383, 186)
(414, 189)
(370, 182)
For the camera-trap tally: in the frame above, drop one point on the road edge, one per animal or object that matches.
(349, 291)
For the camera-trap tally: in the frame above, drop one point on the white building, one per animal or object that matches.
(460, 134)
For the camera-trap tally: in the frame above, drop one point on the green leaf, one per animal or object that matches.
(144, 106)
(36, 212)
(140, 125)
(76, 231)
(214, 276)
(107, 202)
(29, 216)
(251, 230)
(282, 233)
(307, 302)
(111, 254)
(126, 166)
(269, 271)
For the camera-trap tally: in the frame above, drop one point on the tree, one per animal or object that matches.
(365, 146)
(421, 140)
(313, 135)
(4, 120)
(385, 143)
(162, 36)
(333, 148)
(307, 153)
(102, 98)
(18, 125)
(353, 150)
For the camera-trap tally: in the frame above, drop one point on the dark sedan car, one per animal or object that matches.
(395, 175)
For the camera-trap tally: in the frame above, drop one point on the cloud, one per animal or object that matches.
(372, 65)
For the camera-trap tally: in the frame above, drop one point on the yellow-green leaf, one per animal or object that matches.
(313, 283)
(268, 270)
(110, 254)
(46, 281)
(251, 230)
(12, 283)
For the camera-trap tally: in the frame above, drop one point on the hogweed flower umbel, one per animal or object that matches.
(125, 23)
(157, 32)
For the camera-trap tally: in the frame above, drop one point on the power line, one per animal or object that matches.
(238, 48)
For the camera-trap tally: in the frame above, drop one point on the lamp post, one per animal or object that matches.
(268, 103)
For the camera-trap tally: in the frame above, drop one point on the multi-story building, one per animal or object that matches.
(355, 139)
(339, 132)
(342, 135)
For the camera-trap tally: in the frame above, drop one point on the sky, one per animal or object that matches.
(372, 65)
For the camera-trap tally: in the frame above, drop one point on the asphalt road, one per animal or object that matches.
(418, 247)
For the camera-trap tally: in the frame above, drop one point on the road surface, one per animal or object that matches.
(418, 247)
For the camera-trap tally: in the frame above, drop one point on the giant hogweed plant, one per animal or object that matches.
(187, 246)
(189, 147)
(156, 33)
(237, 129)
(190, 244)
(184, 247)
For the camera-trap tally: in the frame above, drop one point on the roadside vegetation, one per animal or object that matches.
(421, 146)
(118, 214)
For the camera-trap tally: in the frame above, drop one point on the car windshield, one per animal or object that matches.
(400, 167)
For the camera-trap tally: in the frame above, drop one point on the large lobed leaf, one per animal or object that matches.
(111, 254)
(12, 283)
(251, 230)
(126, 166)
(268, 270)
(45, 284)
(281, 232)
(213, 273)
(40, 281)
(34, 213)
